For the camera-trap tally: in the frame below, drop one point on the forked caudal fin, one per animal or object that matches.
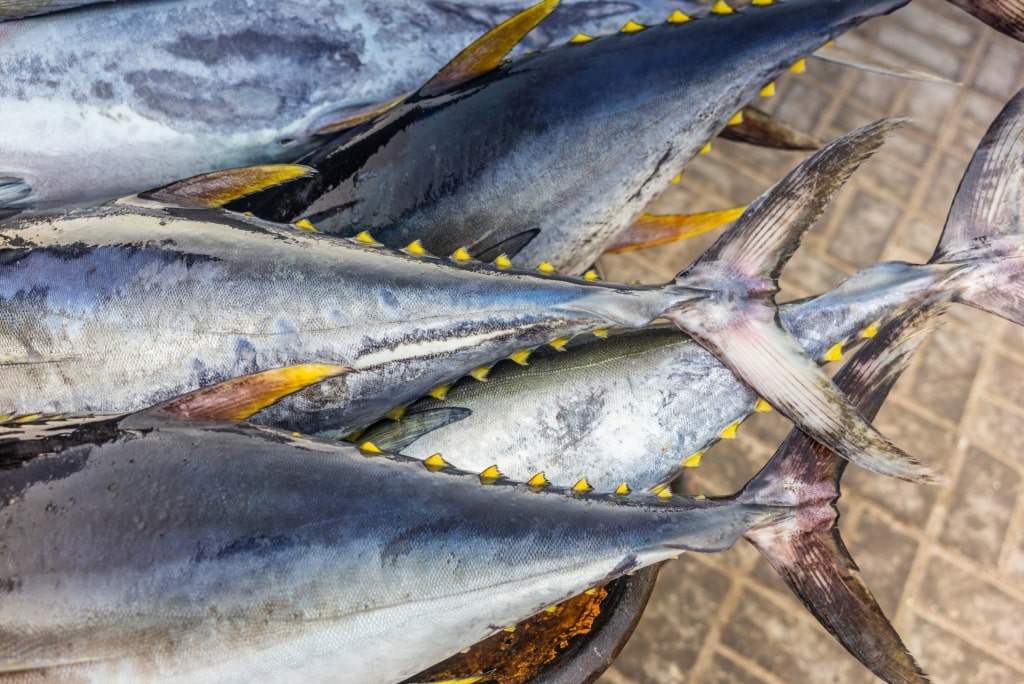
(1006, 16)
(984, 233)
(735, 317)
(803, 544)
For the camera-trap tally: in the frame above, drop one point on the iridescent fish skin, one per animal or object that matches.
(553, 156)
(109, 100)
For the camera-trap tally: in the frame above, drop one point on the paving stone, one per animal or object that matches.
(920, 238)
(724, 670)
(802, 106)
(942, 187)
(934, 24)
(982, 508)
(928, 105)
(678, 618)
(948, 660)
(947, 365)
(865, 230)
(997, 427)
(1000, 69)
(979, 608)
(930, 54)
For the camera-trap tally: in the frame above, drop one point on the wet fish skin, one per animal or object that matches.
(578, 139)
(261, 80)
(153, 548)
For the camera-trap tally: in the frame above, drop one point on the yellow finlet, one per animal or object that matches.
(700, 497)
(462, 254)
(369, 447)
(490, 475)
(721, 7)
(509, 629)
(870, 331)
(762, 3)
(835, 353)
(539, 481)
(434, 462)
(591, 591)
(665, 493)
(600, 332)
(591, 275)
(677, 179)
(480, 374)
(632, 27)
(551, 609)
(545, 268)
(486, 53)
(296, 434)
(659, 489)
(799, 67)
(762, 406)
(440, 393)
(580, 38)
(241, 397)
(416, 248)
(398, 413)
(693, 461)
(736, 119)
(305, 224)
(462, 680)
(503, 262)
(706, 148)
(365, 238)
(522, 357)
(768, 90)
(558, 344)
(730, 431)
(582, 486)
(27, 418)
(830, 43)
(677, 17)
(623, 489)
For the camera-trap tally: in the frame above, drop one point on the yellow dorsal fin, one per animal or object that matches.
(677, 17)
(487, 52)
(631, 27)
(652, 230)
(241, 397)
(580, 38)
(434, 463)
(720, 7)
(213, 190)
(490, 475)
(539, 481)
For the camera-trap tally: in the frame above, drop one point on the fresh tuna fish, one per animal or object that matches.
(637, 407)
(101, 310)
(154, 547)
(132, 95)
(553, 156)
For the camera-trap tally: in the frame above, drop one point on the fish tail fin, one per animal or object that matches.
(1006, 16)
(803, 543)
(984, 233)
(726, 302)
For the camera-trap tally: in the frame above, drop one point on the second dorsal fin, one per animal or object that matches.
(486, 53)
(214, 190)
(239, 398)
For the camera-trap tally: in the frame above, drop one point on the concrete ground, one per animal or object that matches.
(946, 562)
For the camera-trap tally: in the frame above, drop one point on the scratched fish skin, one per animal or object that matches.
(560, 150)
(133, 95)
(149, 548)
(634, 408)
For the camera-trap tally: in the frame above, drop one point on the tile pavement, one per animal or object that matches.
(947, 562)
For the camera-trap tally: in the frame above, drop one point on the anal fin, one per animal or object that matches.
(653, 230)
(216, 189)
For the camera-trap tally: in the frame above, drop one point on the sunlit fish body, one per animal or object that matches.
(553, 156)
(108, 100)
(153, 548)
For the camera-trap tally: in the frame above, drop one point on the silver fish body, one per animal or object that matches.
(554, 156)
(238, 554)
(108, 100)
(117, 309)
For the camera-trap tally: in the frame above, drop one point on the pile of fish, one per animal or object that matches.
(234, 443)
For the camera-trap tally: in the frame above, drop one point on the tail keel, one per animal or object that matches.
(804, 545)
(735, 315)
(984, 233)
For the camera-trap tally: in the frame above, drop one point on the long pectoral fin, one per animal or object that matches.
(214, 190)
(770, 361)
(239, 398)
(486, 53)
(652, 230)
(762, 129)
(856, 60)
(395, 435)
